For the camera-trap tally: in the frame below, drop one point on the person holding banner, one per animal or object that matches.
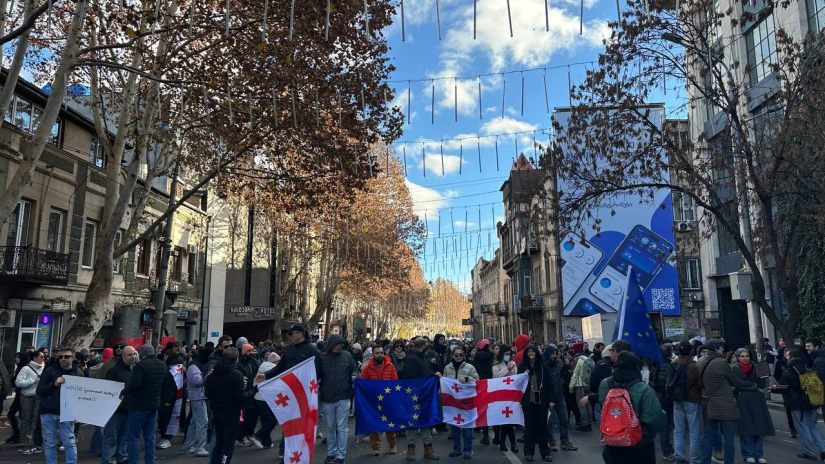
(48, 391)
(379, 367)
(533, 405)
(114, 433)
(463, 372)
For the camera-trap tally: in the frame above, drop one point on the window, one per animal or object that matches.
(143, 257)
(685, 208)
(54, 240)
(690, 275)
(20, 224)
(816, 16)
(96, 155)
(761, 43)
(116, 263)
(55, 134)
(177, 264)
(22, 114)
(528, 288)
(727, 244)
(191, 266)
(89, 241)
(721, 160)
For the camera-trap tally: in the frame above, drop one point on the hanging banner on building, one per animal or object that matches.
(631, 232)
(89, 401)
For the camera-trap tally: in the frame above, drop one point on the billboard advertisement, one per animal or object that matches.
(631, 233)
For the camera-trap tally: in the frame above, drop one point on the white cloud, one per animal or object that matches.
(442, 165)
(465, 225)
(506, 125)
(427, 200)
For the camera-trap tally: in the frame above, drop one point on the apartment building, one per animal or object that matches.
(50, 238)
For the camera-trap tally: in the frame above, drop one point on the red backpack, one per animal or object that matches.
(620, 425)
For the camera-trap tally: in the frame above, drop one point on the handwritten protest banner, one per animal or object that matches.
(87, 400)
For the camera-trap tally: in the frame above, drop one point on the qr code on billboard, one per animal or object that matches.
(663, 299)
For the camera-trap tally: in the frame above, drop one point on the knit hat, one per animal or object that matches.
(578, 347)
(356, 347)
(146, 351)
(482, 343)
(241, 341)
(108, 354)
(246, 347)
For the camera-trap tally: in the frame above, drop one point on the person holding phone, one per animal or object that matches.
(463, 372)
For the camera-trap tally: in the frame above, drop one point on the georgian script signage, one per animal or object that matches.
(252, 312)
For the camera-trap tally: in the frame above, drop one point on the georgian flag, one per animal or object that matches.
(483, 403)
(178, 372)
(293, 398)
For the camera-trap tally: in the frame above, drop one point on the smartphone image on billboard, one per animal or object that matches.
(586, 307)
(579, 258)
(643, 249)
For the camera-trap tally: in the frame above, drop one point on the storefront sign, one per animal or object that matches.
(183, 314)
(252, 312)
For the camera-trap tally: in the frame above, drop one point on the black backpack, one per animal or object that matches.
(676, 384)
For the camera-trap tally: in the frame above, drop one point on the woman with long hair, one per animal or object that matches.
(534, 406)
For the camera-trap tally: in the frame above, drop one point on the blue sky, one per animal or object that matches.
(466, 204)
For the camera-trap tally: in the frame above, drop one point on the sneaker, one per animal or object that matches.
(61, 448)
(163, 444)
(188, 450)
(201, 453)
(329, 459)
(455, 454)
(750, 460)
(762, 461)
(244, 442)
(468, 455)
(717, 457)
(33, 450)
(670, 457)
(553, 446)
(254, 440)
(567, 446)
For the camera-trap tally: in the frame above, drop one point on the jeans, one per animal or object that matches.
(114, 439)
(268, 423)
(559, 409)
(728, 430)
(196, 433)
(51, 426)
(752, 446)
(96, 443)
(145, 422)
(687, 417)
(810, 440)
(468, 439)
(336, 416)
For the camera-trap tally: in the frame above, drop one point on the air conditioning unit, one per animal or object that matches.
(7, 318)
(684, 226)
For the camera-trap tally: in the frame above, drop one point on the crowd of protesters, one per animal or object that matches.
(695, 404)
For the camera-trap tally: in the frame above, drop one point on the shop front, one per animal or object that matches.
(256, 323)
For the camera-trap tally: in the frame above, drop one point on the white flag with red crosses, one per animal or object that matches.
(293, 398)
(483, 403)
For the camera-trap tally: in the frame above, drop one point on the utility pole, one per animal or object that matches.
(250, 235)
(163, 266)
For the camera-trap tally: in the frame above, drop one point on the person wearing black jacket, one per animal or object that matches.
(553, 396)
(418, 366)
(811, 442)
(113, 445)
(48, 391)
(534, 405)
(483, 363)
(248, 366)
(227, 393)
(602, 370)
(143, 396)
(336, 372)
(300, 349)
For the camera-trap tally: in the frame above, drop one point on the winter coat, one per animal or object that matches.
(194, 383)
(464, 370)
(120, 372)
(28, 377)
(416, 366)
(144, 390)
(603, 370)
(383, 371)
(538, 370)
(520, 344)
(335, 373)
(504, 369)
(582, 372)
(754, 417)
(643, 398)
(717, 382)
(552, 389)
(795, 398)
(399, 365)
(226, 390)
(48, 392)
(483, 363)
(248, 365)
(293, 355)
(692, 378)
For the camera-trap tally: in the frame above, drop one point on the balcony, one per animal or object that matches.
(502, 310)
(34, 265)
(531, 303)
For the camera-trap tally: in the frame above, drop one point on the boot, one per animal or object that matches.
(429, 453)
(391, 440)
(567, 446)
(375, 443)
(410, 452)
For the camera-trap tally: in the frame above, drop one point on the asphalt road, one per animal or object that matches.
(780, 449)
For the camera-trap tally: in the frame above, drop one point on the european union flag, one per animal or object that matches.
(633, 323)
(396, 405)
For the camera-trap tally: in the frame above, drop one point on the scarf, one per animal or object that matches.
(746, 368)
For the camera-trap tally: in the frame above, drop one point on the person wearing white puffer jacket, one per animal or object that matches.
(27, 380)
